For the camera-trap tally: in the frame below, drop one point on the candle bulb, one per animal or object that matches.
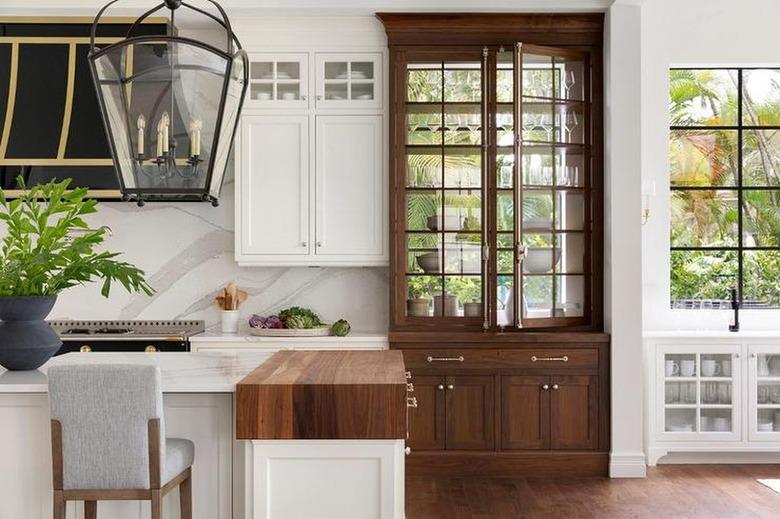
(165, 132)
(195, 127)
(141, 127)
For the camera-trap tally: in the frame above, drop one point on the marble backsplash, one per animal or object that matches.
(186, 250)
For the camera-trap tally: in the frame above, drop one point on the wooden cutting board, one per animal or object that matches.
(339, 395)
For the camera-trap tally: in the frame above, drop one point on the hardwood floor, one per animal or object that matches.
(670, 491)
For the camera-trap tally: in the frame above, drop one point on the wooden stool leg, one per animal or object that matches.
(185, 497)
(156, 504)
(90, 509)
(59, 505)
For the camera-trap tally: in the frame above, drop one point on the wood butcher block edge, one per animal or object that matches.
(316, 395)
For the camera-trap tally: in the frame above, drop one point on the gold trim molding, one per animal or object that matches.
(9, 108)
(67, 112)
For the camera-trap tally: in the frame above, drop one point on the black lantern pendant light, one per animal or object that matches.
(170, 107)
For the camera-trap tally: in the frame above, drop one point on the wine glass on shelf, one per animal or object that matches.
(569, 80)
(570, 123)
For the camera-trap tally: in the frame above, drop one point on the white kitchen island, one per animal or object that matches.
(346, 479)
(198, 397)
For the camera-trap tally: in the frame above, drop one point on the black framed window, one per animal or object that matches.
(724, 156)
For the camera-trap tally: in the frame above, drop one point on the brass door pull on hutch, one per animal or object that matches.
(440, 387)
(446, 359)
(534, 358)
(411, 401)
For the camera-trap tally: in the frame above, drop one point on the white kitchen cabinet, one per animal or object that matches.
(278, 80)
(764, 392)
(273, 187)
(725, 401)
(349, 80)
(349, 199)
(698, 394)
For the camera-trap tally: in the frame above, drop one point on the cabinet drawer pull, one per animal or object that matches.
(408, 374)
(450, 386)
(408, 451)
(534, 358)
(410, 387)
(440, 387)
(446, 359)
(85, 349)
(555, 386)
(545, 387)
(411, 401)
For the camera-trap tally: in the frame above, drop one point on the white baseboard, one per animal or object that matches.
(627, 465)
(720, 458)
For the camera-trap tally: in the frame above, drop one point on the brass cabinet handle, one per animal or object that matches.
(85, 349)
(410, 387)
(450, 387)
(408, 374)
(150, 349)
(411, 401)
(555, 386)
(440, 387)
(534, 358)
(446, 359)
(545, 387)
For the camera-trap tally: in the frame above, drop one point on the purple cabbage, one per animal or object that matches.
(272, 321)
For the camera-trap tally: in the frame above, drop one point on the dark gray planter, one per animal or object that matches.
(26, 340)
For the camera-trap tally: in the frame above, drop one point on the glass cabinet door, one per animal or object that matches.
(349, 80)
(444, 188)
(554, 186)
(278, 80)
(699, 393)
(764, 393)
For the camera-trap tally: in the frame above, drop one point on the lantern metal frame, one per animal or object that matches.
(232, 52)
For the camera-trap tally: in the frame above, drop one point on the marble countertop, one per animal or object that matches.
(711, 334)
(181, 372)
(215, 334)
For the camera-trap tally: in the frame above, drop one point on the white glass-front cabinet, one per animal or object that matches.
(278, 80)
(274, 192)
(764, 392)
(698, 394)
(349, 80)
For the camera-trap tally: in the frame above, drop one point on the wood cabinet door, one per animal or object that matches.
(426, 421)
(469, 412)
(525, 412)
(350, 194)
(273, 186)
(574, 412)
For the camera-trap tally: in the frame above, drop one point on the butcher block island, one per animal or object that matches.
(330, 422)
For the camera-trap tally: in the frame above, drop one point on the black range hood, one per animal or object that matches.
(50, 122)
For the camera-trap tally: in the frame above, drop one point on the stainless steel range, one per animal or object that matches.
(149, 336)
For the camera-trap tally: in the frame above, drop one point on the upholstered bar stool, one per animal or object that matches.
(108, 439)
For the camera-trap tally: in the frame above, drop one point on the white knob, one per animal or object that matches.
(555, 386)
(440, 387)
(545, 387)
(450, 387)
(408, 450)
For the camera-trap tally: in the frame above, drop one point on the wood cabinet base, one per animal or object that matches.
(514, 464)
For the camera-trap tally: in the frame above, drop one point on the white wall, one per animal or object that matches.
(680, 33)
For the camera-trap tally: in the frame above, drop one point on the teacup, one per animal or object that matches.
(710, 368)
(672, 368)
(688, 368)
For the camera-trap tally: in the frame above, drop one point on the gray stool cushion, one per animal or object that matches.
(179, 454)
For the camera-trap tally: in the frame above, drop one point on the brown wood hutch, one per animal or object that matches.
(496, 239)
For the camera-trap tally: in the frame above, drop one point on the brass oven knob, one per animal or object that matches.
(85, 349)
(150, 349)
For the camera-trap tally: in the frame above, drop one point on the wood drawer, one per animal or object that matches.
(537, 358)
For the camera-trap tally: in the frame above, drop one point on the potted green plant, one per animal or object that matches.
(418, 305)
(47, 247)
